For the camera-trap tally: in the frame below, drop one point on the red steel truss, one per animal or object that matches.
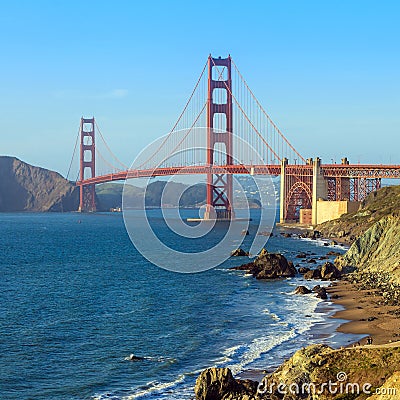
(297, 190)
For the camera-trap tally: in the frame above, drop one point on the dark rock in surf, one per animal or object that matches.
(313, 274)
(322, 294)
(269, 266)
(301, 255)
(333, 253)
(303, 270)
(239, 253)
(302, 290)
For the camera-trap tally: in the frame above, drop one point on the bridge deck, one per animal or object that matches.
(329, 170)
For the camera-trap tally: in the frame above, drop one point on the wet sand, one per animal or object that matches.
(366, 312)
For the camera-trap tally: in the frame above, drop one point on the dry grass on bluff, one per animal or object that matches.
(377, 205)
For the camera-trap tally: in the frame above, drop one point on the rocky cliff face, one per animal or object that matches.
(377, 250)
(218, 383)
(24, 187)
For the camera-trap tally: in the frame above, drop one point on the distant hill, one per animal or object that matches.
(24, 187)
(109, 195)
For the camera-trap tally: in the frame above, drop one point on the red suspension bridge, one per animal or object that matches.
(223, 130)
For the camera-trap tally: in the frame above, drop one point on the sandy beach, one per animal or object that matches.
(366, 312)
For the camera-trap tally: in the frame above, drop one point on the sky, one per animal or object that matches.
(327, 72)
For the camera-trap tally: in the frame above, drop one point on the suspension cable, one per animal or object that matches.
(177, 122)
(193, 124)
(245, 115)
(114, 168)
(108, 148)
(73, 154)
(266, 114)
(187, 133)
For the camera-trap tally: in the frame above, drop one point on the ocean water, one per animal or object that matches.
(77, 298)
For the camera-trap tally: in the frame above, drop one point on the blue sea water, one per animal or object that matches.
(77, 298)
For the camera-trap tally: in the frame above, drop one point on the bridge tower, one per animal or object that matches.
(87, 195)
(219, 186)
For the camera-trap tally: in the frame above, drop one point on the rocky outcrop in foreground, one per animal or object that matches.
(218, 383)
(269, 266)
(377, 250)
(353, 373)
(24, 187)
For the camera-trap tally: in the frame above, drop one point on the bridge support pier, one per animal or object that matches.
(282, 206)
(319, 188)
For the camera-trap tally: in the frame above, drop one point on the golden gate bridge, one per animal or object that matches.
(217, 134)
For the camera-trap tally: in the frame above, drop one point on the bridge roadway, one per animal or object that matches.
(328, 171)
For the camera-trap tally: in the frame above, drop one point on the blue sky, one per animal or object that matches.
(326, 71)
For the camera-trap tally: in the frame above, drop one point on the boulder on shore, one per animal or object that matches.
(313, 274)
(316, 288)
(322, 293)
(302, 290)
(219, 383)
(269, 266)
(330, 272)
(303, 270)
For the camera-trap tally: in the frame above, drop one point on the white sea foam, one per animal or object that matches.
(151, 388)
(271, 314)
(155, 387)
(299, 317)
(257, 347)
(231, 350)
(324, 243)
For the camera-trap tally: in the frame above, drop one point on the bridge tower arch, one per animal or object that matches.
(219, 186)
(87, 169)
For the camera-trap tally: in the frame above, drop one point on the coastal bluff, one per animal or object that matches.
(307, 373)
(24, 187)
(377, 251)
(377, 205)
